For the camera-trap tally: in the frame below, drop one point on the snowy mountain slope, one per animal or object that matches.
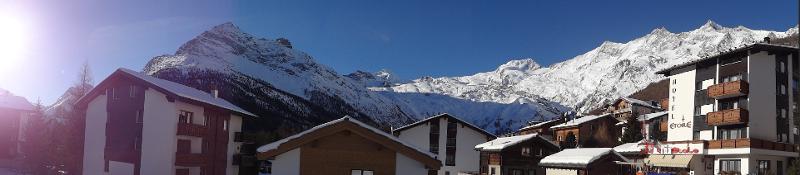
(382, 78)
(586, 81)
(264, 63)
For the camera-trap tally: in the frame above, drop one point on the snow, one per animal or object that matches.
(651, 116)
(577, 158)
(186, 91)
(276, 144)
(501, 143)
(440, 115)
(630, 147)
(640, 102)
(538, 124)
(578, 121)
(10, 101)
(587, 81)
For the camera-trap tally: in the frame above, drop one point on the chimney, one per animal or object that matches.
(215, 93)
(766, 40)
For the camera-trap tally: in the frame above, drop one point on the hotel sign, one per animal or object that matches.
(673, 148)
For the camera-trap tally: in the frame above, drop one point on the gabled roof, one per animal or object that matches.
(651, 116)
(578, 121)
(578, 158)
(504, 142)
(637, 102)
(423, 121)
(170, 88)
(15, 102)
(635, 147)
(538, 124)
(356, 127)
(760, 46)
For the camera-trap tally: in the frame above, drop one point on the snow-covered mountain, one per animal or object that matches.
(269, 77)
(586, 81)
(382, 78)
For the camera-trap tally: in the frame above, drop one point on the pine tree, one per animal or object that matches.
(37, 142)
(68, 147)
(633, 131)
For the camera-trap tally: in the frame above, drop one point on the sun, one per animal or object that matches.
(14, 40)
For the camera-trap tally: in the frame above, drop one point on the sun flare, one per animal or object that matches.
(13, 41)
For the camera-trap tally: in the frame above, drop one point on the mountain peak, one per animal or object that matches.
(526, 64)
(711, 25)
(226, 27)
(660, 30)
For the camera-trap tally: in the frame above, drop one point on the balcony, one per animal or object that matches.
(727, 117)
(663, 126)
(189, 160)
(728, 89)
(189, 129)
(750, 143)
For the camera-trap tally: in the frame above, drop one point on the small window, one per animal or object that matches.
(132, 92)
(783, 113)
(674, 81)
(783, 89)
(493, 171)
(114, 93)
(763, 167)
(225, 125)
(139, 117)
(361, 172)
(697, 110)
(185, 116)
(698, 86)
(783, 67)
(541, 152)
(674, 90)
(526, 151)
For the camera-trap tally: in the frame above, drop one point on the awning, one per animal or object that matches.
(675, 161)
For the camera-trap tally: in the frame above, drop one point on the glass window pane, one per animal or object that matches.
(355, 172)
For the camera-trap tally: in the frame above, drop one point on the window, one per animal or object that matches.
(526, 151)
(763, 167)
(361, 172)
(516, 172)
(447, 173)
(674, 81)
(779, 170)
(541, 152)
(434, 137)
(225, 125)
(185, 116)
(783, 89)
(732, 78)
(139, 117)
(735, 133)
(450, 149)
(673, 90)
(697, 110)
(783, 113)
(184, 146)
(132, 92)
(114, 93)
(698, 86)
(783, 67)
(730, 166)
(492, 171)
(729, 104)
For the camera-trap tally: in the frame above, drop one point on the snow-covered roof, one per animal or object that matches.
(185, 91)
(276, 144)
(444, 115)
(640, 102)
(732, 50)
(630, 147)
(577, 158)
(505, 142)
(578, 121)
(651, 116)
(10, 101)
(538, 124)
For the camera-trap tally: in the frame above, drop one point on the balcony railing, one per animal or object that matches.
(727, 117)
(750, 143)
(189, 129)
(729, 89)
(191, 160)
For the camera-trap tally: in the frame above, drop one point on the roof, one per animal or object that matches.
(423, 121)
(501, 143)
(578, 121)
(15, 102)
(357, 127)
(577, 158)
(538, 124)
(735, 50)
(635, 147)
(171, 88)
(640, 102)
(669, 160)
(651, 116)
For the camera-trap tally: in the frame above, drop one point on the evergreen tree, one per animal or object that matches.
(68, 146)
(633, 131)
(37, 142)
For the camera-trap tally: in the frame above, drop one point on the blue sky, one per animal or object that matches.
(411, 38)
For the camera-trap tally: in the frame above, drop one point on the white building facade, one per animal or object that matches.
(452, 140)
(138, 124)
(733, 112)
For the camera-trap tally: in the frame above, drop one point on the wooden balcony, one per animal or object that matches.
(750, 143)
(189, 129)
(727, 117)
(729, 89)
(190, 160)
(663, 126)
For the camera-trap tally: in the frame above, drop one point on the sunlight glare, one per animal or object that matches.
(13, 41)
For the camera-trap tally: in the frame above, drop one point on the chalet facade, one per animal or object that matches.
(733, 112)
(596, 131)
(138, 124)
(347, 147)
(584, 161)
(14, 114)
(626, 107)
(448, 137)
(515, 155)
(541, 128)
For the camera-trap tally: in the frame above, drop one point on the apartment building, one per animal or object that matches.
(138, 124)
(14, 114)
(450, 139)
(733, 112)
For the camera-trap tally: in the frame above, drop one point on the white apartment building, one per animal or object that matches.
(138, 124)
(732, 113)
(452, 140)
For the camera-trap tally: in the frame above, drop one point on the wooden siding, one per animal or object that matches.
(341, 152)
